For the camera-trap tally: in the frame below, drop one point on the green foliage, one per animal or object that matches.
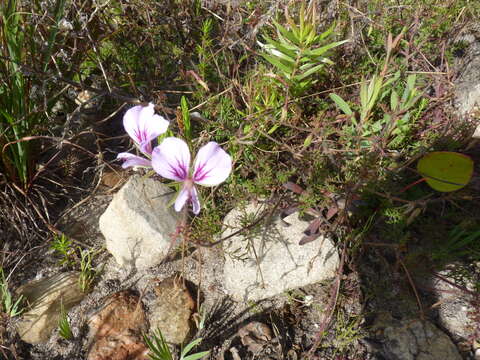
(204, 47)
(87, 273)
(19, 114)
(347, 331)
(460, 243)
(8, 305)
(185, 126)
(159, 349)
(446, 171)
(64, 328)
(299, 53)
(383, 112)
(62, 245)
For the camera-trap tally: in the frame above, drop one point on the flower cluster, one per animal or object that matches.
(171, 158)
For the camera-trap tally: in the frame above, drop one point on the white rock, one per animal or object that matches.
(268, 260)
(139, 222)
(454, 308)
(46, 296)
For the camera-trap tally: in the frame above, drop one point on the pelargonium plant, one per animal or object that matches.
(143, 126)
(171, 158)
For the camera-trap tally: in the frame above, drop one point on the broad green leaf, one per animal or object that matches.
(278, 53)
(341, 104)
(391, 79)
(377, 86)
(287, 43)
(321, 50)
(288, 51)
(446, 171)
(363, 94)
(288, 34)
(309, 72)
(411, 81)
(327, 32)
(371, 88)
(277, 63)
(393, 100)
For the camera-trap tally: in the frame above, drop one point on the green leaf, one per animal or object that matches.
(273, 128)
(197, 356)
(287, 52)
(446, 171)
(411, 81)
(373, 96)
(309, 72)
(190, 346)
(277, 63)
(393, 100)
(288, 34)
(341, 104)
(186, 118)
(321, 50)
(308, 141)
(327, 32)
(363, 94)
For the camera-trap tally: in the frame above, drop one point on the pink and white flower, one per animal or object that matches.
(212, 166)
(143, 126)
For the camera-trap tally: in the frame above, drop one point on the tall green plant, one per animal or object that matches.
(299, 52)
(18, 111)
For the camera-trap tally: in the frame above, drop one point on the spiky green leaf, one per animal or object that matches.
(341, 104)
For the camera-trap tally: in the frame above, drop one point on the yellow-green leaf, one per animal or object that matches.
(446, 171)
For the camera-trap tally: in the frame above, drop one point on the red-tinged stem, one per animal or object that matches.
(412, 185)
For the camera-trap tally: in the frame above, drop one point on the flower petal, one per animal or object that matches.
(212, 165)
(195, 201)
(133, 160)
(131, 123)
(143, 125)
(182, 198)
(171, 159)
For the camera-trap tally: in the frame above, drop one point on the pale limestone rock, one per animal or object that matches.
(45, 298)
(116, 330)
(268, 260)
(139, 222)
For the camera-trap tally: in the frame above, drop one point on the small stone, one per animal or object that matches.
(413, 339)
(171, 311)
(116, 330)
(139, 222)
(112, 179)
(255, 336)
(269, 260)
(46, 297)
